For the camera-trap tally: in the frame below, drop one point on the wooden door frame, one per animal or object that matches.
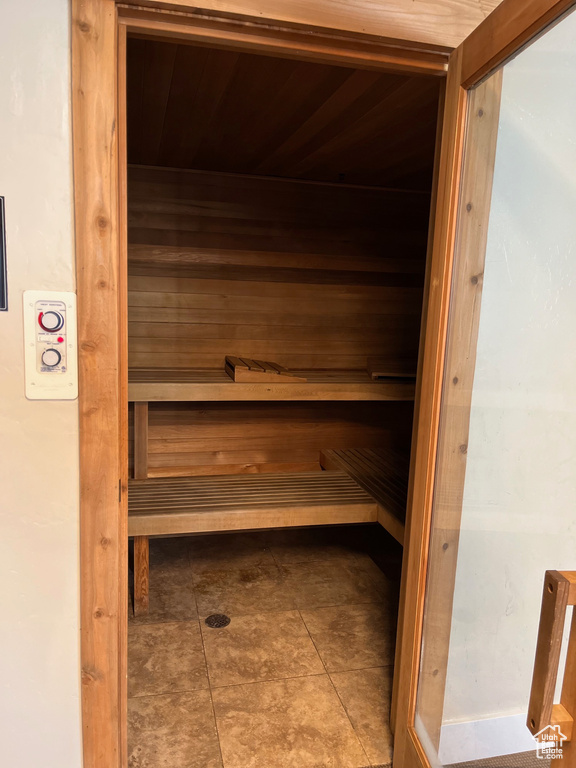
(98, 33)
(512, 25)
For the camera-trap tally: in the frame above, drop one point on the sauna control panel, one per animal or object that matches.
(50, 353)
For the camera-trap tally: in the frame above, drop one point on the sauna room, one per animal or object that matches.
(278, 215)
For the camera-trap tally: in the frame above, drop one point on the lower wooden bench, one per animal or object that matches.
(383, 473)
(168, 507)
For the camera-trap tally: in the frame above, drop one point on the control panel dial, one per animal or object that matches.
(51, 321)
(51, 357)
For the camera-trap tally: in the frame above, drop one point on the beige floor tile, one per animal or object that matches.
(298, 723)
(334, 582)
(353, 636)
(173, 731)
(366, 696)
(165, 658)
(309, 545)
(246, 591)
(265, 646)
(171, 596)
(229, 552)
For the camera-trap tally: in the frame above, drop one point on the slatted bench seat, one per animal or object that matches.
(167, 507)
(383, 473)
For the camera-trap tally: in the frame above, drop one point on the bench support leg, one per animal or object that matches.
(141, 575)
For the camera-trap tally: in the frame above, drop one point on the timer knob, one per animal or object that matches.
(51, 357)
(51, 321)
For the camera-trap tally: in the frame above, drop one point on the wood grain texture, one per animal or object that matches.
(383, 474)
(221, 110)
(558, 594)
(418, 391)
(420, 493)
(162, 385)
(442, 23)
(266, 269)
(123, 373)
(287, 41)
(249, 438)
(141, 575)
(102, 542)
(512, 25)
(550, 632)
(246, 502)
(564, 713)
(140, 440)
(476, 195)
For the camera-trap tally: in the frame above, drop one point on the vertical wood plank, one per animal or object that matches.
(474, 211)
(102, 541)
(123, 427)
(422, 477)
(552, 617)
(140, 441)
(565, 713)
(418, 395)
(141, 575)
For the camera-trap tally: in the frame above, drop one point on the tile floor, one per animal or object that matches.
(302, 675)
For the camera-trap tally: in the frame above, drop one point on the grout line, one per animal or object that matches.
(349, 720)
(333, 686)
(270, 680)
(207, 667)
(167, 693)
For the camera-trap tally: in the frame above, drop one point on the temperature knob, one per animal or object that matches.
(51, 321)
(51, 357)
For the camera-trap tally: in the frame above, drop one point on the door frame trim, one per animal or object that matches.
(511, 26)
(98, 35)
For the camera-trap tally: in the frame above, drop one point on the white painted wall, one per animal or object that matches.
(519, 516)
(39, 575)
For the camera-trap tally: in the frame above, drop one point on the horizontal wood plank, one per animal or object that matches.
(236, 502)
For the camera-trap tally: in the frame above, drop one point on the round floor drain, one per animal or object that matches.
(217, 621)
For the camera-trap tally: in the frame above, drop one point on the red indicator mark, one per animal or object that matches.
(60, 339)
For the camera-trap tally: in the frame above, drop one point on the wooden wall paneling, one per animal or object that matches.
(238, 438)
(102, 428)
(476, 194)
(430, 24)
(189, 308)
(140, 441)
(423, 461)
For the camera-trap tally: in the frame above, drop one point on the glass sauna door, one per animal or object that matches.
(504, 505)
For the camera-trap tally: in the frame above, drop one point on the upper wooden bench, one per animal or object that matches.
(383, 473)
(169, 385)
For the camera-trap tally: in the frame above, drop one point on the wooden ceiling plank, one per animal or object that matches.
(134, 95)
(241, 112)
(213, 86)
(290, 106)
(391, 114)
(255, 78)
(351, 90)
(158, 72)
(188, 67)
